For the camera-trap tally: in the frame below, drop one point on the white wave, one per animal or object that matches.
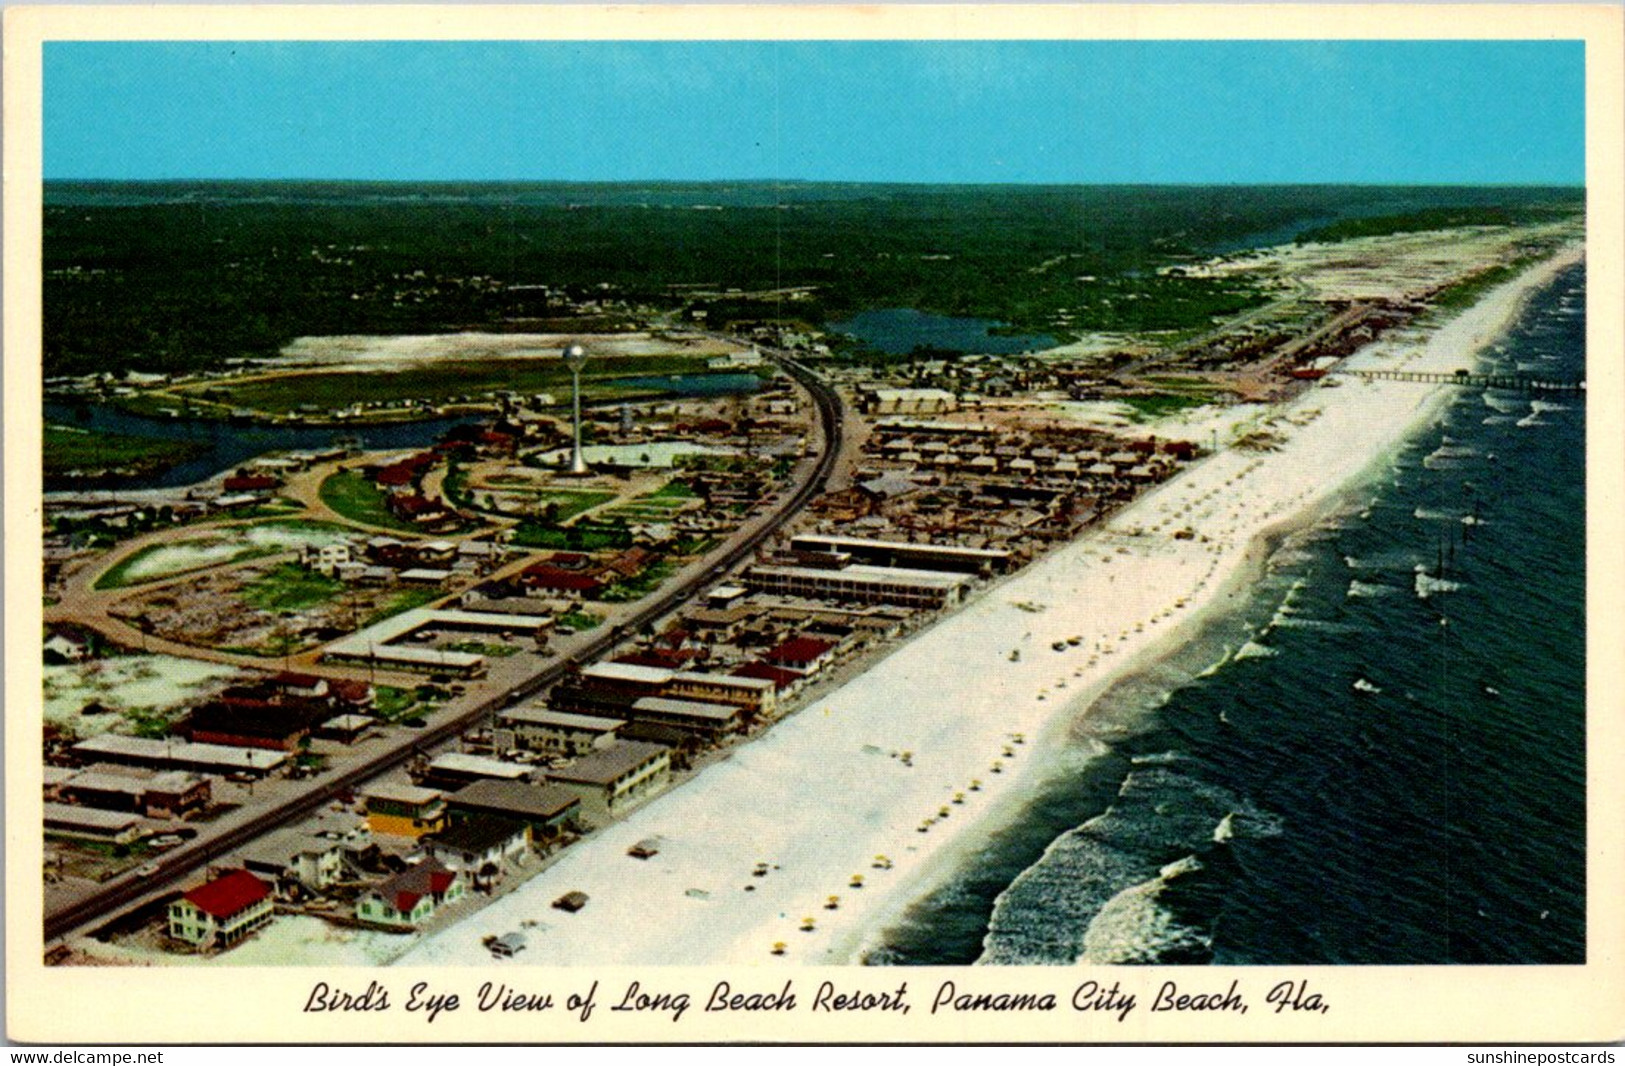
(1501, 403)
(1360, 590)
(1541, 406)
(1161, 758)
(1430, 514)
(1497, 420)
(1531, 419)
(1133, 927)
(1362, 685)
(1316, 623)
(1219, 665)
(1427, 585)
(1226, 829)
(1254, 650)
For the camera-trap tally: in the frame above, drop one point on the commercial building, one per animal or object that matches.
(89, 823)
(545, 810)
(221, 913)
(456, 769)
(709, 720)
(380, 644)
(544, 729)
(404, 810)
(179, 754)
(948, 557)
(930, 589)
(613, 781)
(170, 794)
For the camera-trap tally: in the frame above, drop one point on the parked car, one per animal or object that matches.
(571, 901)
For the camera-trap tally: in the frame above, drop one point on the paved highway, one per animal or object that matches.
(105, 902)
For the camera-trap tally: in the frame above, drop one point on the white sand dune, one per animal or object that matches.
(825, 791)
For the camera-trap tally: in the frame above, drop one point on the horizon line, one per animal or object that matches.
(1195, 183)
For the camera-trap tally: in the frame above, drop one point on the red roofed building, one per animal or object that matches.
(545, 577)
(250, 483)
(222, 912)
(782, 679)
(411, 896)
(802, 653)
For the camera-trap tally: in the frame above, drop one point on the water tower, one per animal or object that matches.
(575, 357)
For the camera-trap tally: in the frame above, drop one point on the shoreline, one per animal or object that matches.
(837, 762)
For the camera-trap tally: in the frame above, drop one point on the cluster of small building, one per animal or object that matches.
(467, 823)
(385, 560)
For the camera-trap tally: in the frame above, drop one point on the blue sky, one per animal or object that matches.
(912, 111)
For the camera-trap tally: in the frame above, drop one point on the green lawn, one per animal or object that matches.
(532, 534)
(290, 587)
(70, 450)
(350, 494)
(1159, 404)
(578, 621)
(638, 587)
(569, 503)
(392, 703)
(404, 600)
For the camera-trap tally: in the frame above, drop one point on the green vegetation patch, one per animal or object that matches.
(391, 703)
(638, 587)
(70, 450)
(582, 536)
(442, 382)
(290, 587)
(562, 505)
(1159, 404)
(493, 650)
(577, 621)
(1434, 218)
(404, 600)
(351, 495)
(1467, 291)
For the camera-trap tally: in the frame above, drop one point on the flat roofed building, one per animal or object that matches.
(163, 795)
(456, 769)
(544, 729)
(907, 401)
(404, 810)
(949, 557)
(930, 589)
(626, 676)
(377, 643)
(221, 913)
(91, 823)
(346, 727)
(755, 695)
(711, 720)
(546, 810)
(180, 754)
(614, 780)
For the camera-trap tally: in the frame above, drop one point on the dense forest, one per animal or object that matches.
(174, 276)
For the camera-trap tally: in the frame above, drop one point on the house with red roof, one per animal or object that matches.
(783, 680)
(410, 897)
(805, 654)
(223, 912)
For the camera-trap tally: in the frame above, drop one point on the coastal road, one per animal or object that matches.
(811, 477)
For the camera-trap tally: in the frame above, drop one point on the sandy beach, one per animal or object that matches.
(933, 727)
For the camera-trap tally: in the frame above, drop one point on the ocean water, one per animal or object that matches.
(1379, 760)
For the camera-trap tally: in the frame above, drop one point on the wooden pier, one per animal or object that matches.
(1468, 379)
